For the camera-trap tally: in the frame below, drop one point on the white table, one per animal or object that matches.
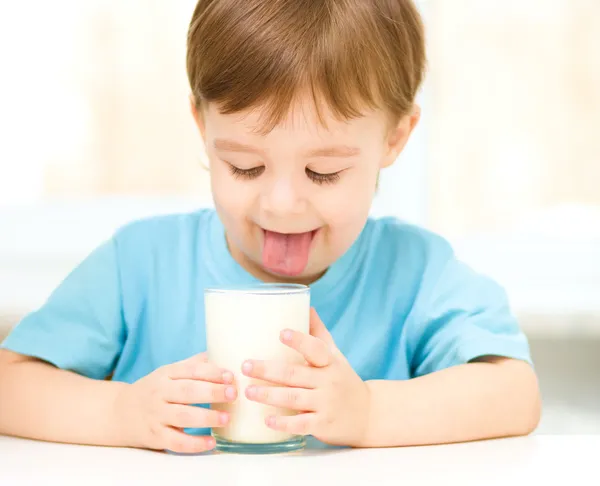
(534, 460)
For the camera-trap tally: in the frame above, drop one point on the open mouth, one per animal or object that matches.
(287, 254)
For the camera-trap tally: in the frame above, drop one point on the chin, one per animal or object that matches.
(307, 276)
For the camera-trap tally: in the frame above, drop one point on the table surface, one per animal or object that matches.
(532, 460)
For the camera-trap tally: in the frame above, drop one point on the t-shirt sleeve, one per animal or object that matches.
(465, 316)
(80, 327)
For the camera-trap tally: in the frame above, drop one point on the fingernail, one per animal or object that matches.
(230, 393)
(223, 418)
(270, 421)
(247, 367)
(210, 443)
(228, 377)
(286, 335)
(251, 391)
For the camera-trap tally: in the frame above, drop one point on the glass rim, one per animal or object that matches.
(259, 289)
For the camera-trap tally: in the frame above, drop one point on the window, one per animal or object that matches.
(506, 161)
(512, 150)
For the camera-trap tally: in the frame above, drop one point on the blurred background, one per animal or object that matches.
(96, 132)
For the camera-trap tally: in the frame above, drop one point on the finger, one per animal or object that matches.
(314, 350)
(282, 373)
(319, 330)
(182, 443)
(301, 424)
(193, 392)
(283, 397)
(197, 368)
(187, 416)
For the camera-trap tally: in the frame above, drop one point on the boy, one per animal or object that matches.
(300, 105)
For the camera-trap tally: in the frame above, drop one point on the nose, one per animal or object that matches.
(282, 198)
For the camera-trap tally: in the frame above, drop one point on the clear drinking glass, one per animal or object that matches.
(245, 323)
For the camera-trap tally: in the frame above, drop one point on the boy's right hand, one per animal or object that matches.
(155, 409)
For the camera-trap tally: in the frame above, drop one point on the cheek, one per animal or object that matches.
(230, 196)
(348, 204)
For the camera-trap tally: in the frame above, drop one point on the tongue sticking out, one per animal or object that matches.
(286, 254)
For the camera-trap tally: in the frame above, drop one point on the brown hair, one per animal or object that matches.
(350, 54)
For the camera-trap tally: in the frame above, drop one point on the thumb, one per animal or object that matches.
(197, 358)
(186, 368)
(318, 329)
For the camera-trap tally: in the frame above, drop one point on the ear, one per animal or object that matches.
(198, 115)
(399, 135)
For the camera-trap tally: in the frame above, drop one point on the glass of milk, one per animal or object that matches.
(245, 323)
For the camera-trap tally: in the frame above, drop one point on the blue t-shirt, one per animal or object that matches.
(398, 303)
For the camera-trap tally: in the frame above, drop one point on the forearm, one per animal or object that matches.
(42, 402)
(468, 402)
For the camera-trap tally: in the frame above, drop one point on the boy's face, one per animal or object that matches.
(294, 200)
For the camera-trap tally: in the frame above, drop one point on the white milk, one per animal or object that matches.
(244, 324)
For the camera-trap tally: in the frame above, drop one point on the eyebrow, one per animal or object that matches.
(330, 151)
(233, 146)
(334, 151)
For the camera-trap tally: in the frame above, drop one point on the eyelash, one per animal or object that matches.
(323, 178)
(246, 173)
(253, 173)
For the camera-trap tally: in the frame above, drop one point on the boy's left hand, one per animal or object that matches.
(332, 398)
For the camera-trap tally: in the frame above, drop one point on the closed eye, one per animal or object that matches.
(255, 172)
(320, 179)
(249, 174)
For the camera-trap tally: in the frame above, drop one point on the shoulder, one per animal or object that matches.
(400, 262)
(424, 266)
(415, 256)
(396, 244)
(169, 235)
(161, 243)
(402, 232)
(165, 229)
